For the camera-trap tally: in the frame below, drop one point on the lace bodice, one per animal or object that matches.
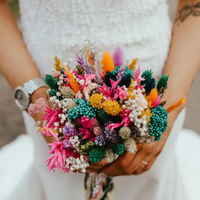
(55, 28)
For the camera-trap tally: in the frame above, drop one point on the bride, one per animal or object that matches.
(55, 28)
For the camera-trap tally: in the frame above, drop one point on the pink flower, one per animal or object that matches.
(86, 122)
(120, 93)
(87, 134)
(51, 116)
(157, 102)
(38, 107)
(58, 157)
(56, 74)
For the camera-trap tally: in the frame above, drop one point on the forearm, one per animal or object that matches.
(184, 54)
(15, 63)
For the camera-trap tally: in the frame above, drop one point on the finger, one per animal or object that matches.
(136, 160)
(118, 165)
(97, 166)
(150, 163)
(141, 166)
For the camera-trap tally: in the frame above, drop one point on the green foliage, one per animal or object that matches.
(119, 149)
(104, 116)
(51, 82)
(150, 84)
(80, 71)
(126, 80)
(162, 83)
(147, 74)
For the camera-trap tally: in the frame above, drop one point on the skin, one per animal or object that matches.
(182, 65)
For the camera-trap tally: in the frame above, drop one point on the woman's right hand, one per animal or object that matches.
(40, 93)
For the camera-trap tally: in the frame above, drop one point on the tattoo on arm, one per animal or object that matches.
(187, 10)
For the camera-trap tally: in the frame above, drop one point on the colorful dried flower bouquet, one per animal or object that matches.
(100, 110)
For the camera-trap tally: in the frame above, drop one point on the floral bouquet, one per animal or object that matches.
(101, 109)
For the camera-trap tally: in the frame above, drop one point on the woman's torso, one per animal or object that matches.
(55, 28)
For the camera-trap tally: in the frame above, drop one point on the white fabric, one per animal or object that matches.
(53, 28)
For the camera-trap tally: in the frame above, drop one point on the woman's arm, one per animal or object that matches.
(15, 62)
(181, 66)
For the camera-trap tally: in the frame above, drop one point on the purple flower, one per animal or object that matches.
(70, 131)
(112, 136)
(80, 61)
(120, 73)
(67, 144)
(88, 68)
(118, 56)
(134, 130)
(100, 140)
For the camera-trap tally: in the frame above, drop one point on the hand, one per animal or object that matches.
(96, 167)
(40, 93)
(128, 163)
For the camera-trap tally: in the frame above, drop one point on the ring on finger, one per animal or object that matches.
(145, 163)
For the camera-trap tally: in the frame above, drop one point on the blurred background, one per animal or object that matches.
(11, 121)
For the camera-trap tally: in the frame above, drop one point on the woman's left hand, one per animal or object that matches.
(136, 163)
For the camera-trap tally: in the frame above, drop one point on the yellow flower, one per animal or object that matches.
(111, 107)
(147, 113)
(132, 65)
(57, 64)
(96, 100)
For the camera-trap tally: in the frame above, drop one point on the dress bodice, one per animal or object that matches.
(55, 28)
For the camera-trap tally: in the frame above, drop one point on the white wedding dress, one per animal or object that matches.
(55, 28)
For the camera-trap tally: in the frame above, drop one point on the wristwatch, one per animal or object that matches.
(22, 94)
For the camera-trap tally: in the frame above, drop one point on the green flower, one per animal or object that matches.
(97, 154)
(119, 149)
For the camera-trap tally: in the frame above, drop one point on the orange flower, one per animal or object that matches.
(107, 62)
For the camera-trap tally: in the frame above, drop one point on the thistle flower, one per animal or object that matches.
(119, 149)
(109, 155)
(67, 92)
(124, 133)
(130, 145)
(97, 154)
